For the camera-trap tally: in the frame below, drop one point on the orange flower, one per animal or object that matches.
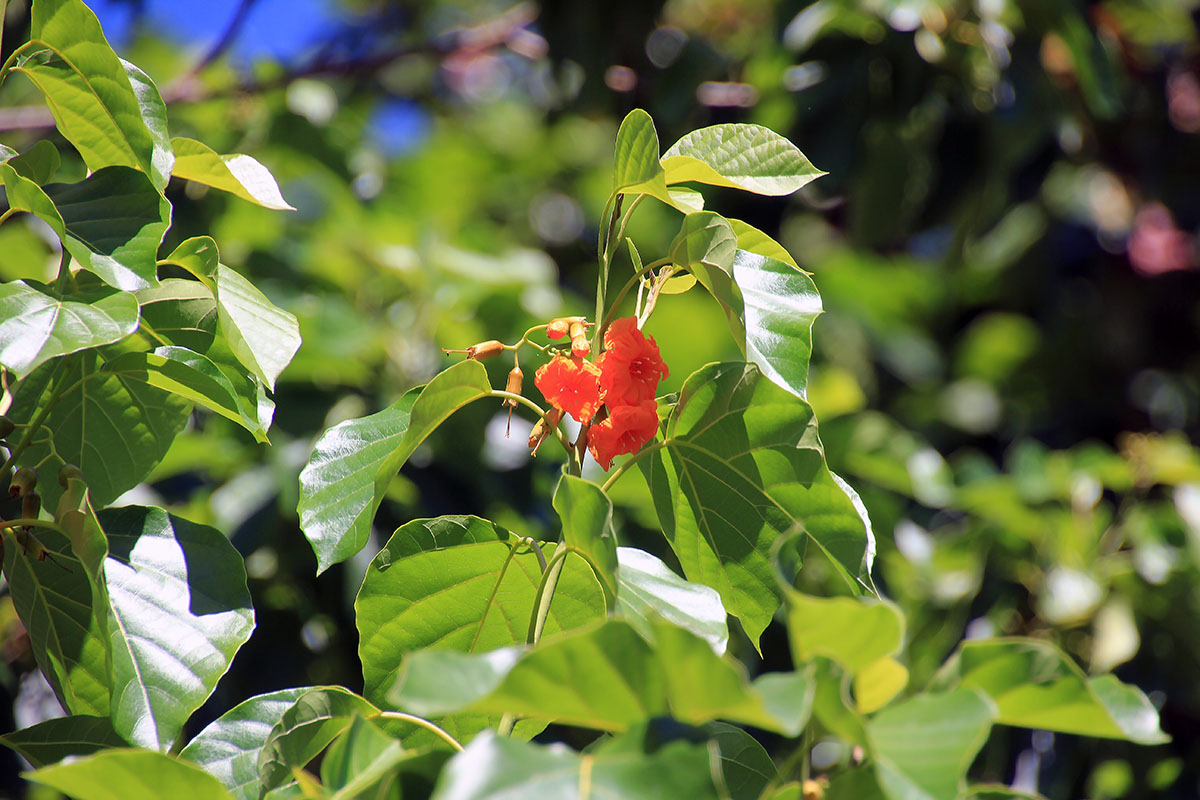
(571, 384)
(626, 429)
(630, 367)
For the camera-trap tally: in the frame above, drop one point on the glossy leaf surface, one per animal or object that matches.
(129, 774)
(237, 174)
(739, 156)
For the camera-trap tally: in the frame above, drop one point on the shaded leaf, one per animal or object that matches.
(586, 514)
(739, 156)
(229, 746)
(705, 246)
(129, 774)
(37, 325)
(360, 758)
(193, 377)
(353, 462)
(740, 465)
(38, 163)
(129, 425)
(1036, 685)
(179, 312)
(647, 590)
(55, 739)
(607, 677)
(458, 583)
(924, 745)
(745, 765)
(237, 174)
(493, 767)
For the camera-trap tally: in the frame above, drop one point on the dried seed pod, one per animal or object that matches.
(544, 427)
(23, 480)
(478, 352)
(67, 473)
(513, 386)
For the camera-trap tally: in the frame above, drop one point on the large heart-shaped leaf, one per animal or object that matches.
(740, 156)
(1035, 685)
(229, 746)
(115, 428)
(854, 631)
(494, 767)
(174, 626)
(89, 92)
(752, 240)
(458, 583)
(647, 590)
(37, 325)
(740, 465)
(924, 745)
(745, 765)
(586, 514)
(237, 174)
(53, 598)
(55, 739)
(607, 677)
(129, 774)
(353, 462)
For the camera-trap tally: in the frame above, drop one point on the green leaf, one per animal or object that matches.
(154, 115)
(230, 746)
(739, 156)
(37, 325)
(924, 745)
(705, 246)
(494, 767)
(360, 758)
(179, 312)
(647, 590)
(740, 465)
(113, 222)
(353, 462)
(752, 240)
(876, 684)
(314, 720)
(606, 677)
(779, 305)
(174, 626)
(129, 774)
(53, 599)
(38, 163)
(586, 514)
(745, 765)
(193, 377)
(636, 151)
(198, 255)
(458, 583)
(1035, 685)
(55, 739)
(88, 90)
(129, 425)
(853, 631)
(237, 174)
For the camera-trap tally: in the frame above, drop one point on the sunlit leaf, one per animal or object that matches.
(779, 305)
(636, 158)
(55, 739)
(36, 324)
(647, 590)
(740, 156)
(586, 514)
(458, 583)
(752, 240)
(876, 684)
(229, 746)
(237, 174)
(129, 774)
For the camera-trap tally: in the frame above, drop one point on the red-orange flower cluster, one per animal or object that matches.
(623, 381)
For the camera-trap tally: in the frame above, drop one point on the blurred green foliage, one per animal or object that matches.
(1008, 369)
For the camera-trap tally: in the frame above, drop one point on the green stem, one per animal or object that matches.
(628, 464)
(605, 261)
(64, 271)
(545, 594)
(422, 723)
(629, 284)
(8, 213)
(29, 522)
(525, 401)
(12, 59)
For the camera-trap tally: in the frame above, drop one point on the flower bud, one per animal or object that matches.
(67, 473)
(558, 328)
(31, 505)
(579, 341)
(543, 428)
(478, 352)
(7, 426)
(23, 480)
(513, 386)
